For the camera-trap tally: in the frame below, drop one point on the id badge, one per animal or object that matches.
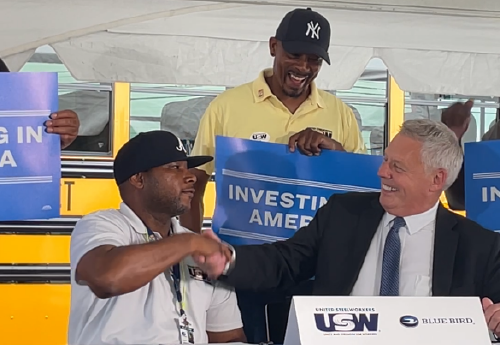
(186, 330)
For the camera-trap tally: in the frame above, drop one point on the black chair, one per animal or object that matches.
(277, 320)
(276, 312)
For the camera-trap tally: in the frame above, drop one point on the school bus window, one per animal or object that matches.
(176, 108)
(138, 125)
(91, 101)
(371, 115)
(368, 101)
(484, 112)
(93, 108)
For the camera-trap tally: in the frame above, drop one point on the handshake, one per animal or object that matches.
(210, 254)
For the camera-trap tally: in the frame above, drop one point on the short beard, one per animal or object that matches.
(176, 208)
(167, 204)
(293, 94)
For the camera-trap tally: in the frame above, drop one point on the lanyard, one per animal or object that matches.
(175, 274)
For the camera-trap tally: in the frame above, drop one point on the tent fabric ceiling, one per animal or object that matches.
(429, 46)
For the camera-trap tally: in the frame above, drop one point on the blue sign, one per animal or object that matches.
(30, 163)
(482, 183)
(265, 193)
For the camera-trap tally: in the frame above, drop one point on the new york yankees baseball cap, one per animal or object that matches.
(149, 150)
(304, 31)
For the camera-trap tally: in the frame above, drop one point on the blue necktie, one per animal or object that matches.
(390, 265)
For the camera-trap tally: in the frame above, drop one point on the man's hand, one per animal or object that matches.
(213, 265)
(66, 124)
(205, 246)
(492, 315)
(311, 142)
(457, 117)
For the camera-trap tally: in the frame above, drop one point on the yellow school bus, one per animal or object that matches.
(34, 255)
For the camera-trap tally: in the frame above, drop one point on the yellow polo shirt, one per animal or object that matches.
(252, 111)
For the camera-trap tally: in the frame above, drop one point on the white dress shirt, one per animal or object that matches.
(415, 267)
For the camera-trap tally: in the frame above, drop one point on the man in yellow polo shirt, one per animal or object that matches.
(283, 105)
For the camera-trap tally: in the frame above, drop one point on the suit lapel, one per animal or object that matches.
(445, 247)
(362, 239)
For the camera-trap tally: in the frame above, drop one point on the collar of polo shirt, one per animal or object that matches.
(135, 221)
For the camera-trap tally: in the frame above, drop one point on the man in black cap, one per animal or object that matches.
(133, 279)
(302, 33)
(283, 105)
(63, 122)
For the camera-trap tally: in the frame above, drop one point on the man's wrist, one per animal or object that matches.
(192, 242)
(230, 264)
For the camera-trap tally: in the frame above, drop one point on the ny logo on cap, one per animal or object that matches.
(180, 147)
(313, 30)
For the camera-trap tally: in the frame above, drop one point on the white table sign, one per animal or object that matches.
(322, 320)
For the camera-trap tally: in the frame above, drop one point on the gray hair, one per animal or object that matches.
(440, 150)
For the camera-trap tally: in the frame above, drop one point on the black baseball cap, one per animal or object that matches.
(149, 150)
(304, 31)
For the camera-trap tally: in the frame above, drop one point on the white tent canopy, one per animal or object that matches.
(429, 46)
